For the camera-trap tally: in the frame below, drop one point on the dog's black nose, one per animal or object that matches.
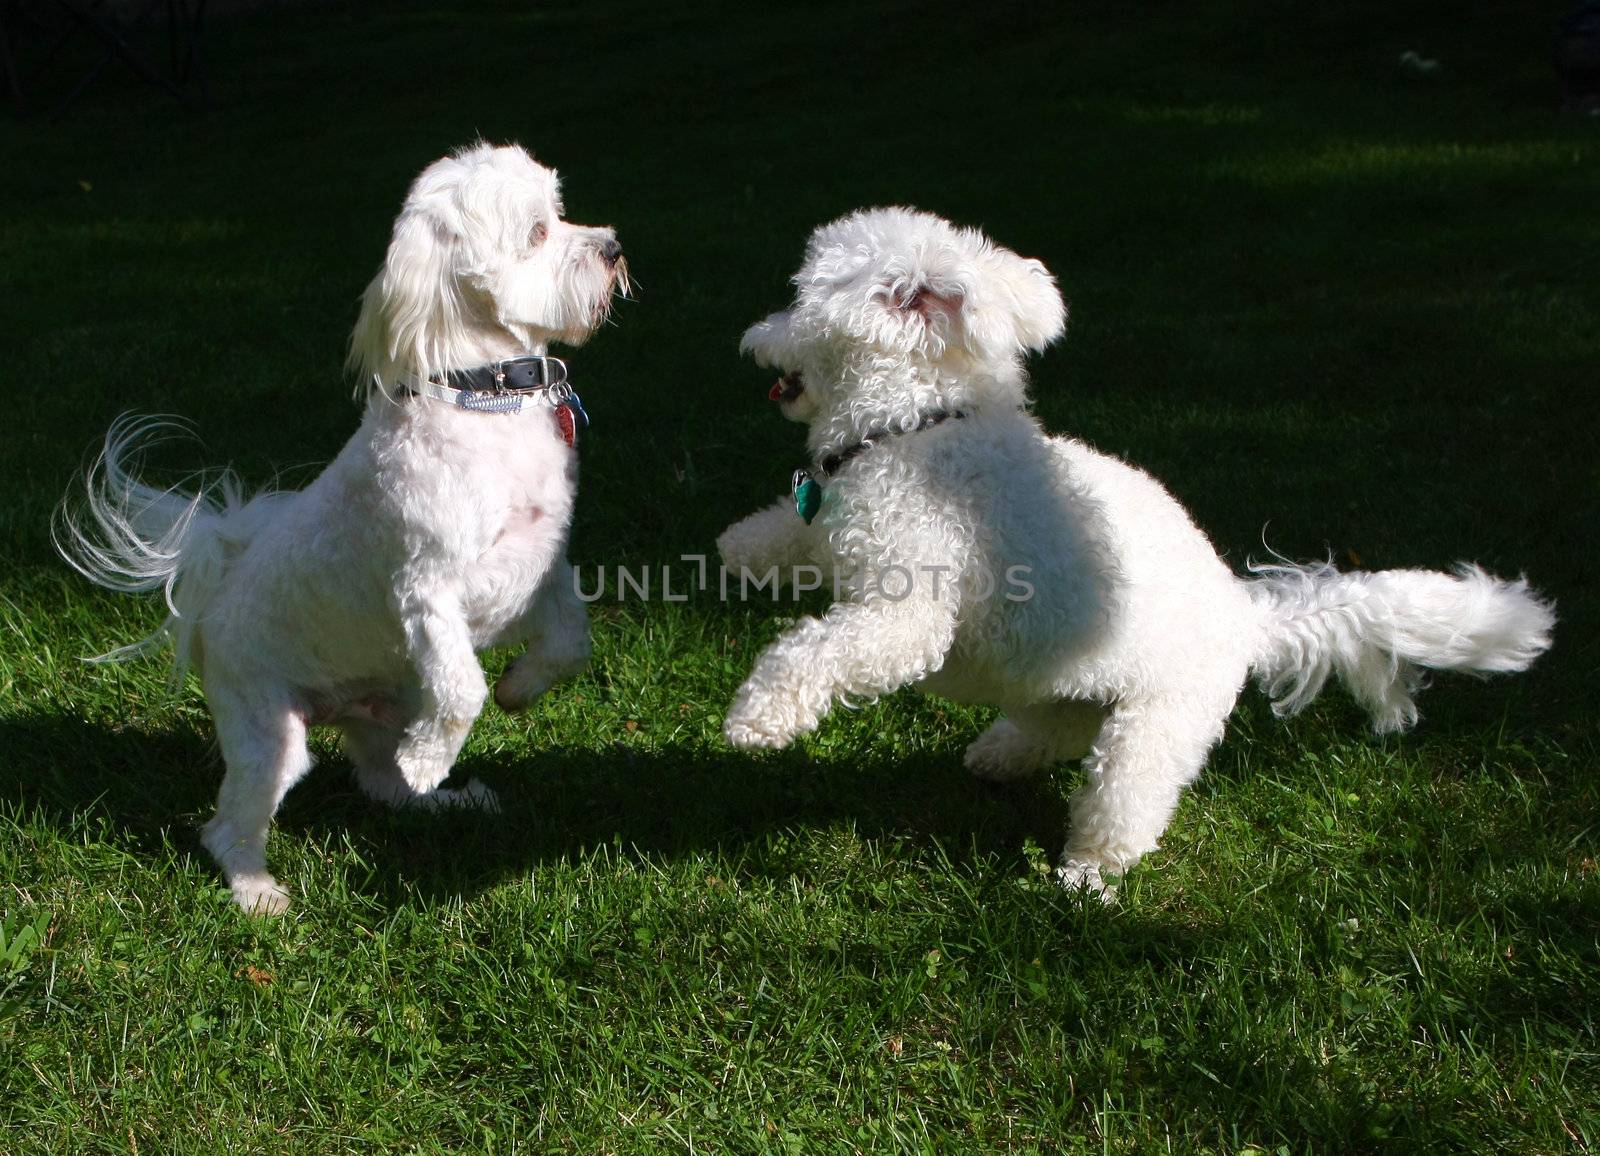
(611, 250)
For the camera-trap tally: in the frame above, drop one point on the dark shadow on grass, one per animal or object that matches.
(150, 790)
(144, 788)
(558, 804)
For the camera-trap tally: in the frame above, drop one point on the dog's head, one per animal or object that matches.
(481, 266)
(883, 291)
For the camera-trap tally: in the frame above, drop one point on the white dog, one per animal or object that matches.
(440, 529)
(994, 564)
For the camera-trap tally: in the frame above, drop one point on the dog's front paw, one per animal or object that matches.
(739, 549)
(520, 687)
(1002, 754)
(754, 735)
(1083, 876)
(537, 670)
(258, 893)
(423, 765)
(765, 722)
(429, 748)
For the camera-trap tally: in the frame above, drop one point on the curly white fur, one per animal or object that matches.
(1137, 640)
(361, 600)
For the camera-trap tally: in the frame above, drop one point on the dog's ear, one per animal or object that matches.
(411, 307)
(769, 340)
(1017, 307)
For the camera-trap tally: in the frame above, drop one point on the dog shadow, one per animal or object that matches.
(148, 790)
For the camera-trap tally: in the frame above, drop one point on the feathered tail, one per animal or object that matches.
(134, 538)
(1377, 631)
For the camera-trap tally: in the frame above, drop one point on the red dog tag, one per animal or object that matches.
(568, 424)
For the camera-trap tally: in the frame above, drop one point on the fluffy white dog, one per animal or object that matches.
(440, 529)
(992, 563)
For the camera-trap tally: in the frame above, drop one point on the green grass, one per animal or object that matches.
(1306, 288)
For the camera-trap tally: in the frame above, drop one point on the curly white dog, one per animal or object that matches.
(991, 563)
(440, 528)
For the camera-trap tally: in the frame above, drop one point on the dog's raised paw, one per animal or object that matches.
(513, 695)
(731, 549)
(423, 765)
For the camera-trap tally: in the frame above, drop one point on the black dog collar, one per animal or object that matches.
(513, 375)
(806, 487)
(509, 386)
(833, 463)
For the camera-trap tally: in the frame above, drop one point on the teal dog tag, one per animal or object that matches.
(807, 495)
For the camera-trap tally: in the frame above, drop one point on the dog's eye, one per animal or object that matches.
(539, 233)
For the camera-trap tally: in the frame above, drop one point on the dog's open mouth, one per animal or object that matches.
(786, 388)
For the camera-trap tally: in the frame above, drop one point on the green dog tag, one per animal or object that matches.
(807, 495)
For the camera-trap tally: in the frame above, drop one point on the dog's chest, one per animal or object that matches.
(511, 477)
(524, 489)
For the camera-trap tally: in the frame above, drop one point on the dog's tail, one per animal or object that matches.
(1380, 631)
(134, 538)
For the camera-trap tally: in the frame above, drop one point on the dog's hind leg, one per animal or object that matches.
(264, 746)
(1028, 739)
(371, 746)
(558, 644)
(1144, 756)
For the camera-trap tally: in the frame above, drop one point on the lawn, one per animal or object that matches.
(1312, 291)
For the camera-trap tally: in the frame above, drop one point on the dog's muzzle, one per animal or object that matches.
(786, 388)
